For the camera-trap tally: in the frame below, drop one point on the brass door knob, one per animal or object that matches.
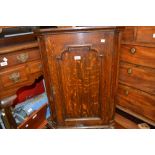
(22, 57)
(129, 71)
(15, 77)
(133, 50)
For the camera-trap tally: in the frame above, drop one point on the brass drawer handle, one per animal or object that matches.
(15, 77)
(22, 57)
(133, 50)
(129, 71)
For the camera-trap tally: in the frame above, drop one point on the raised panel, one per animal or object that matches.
(80, 68)
(80, 81)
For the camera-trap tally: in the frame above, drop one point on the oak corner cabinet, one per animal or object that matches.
(80, 71)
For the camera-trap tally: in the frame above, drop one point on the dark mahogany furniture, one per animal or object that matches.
(136, 89)
(80, 70)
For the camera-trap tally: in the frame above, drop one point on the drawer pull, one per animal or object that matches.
(15, 77)
(34, 116)
(133, 50)
(22, 57)
(153, 35)
(129, 71)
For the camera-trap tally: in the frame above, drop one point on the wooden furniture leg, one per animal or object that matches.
(6, 104)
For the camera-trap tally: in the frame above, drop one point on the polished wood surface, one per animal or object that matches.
(124, 123)
(19, 57)
(140, 55)
(78, 68)
(23, 63)
(138, 77)
(128, 34)
(136, 90)
(23, 67)
(14, 75)
(135, 100)
(146, 34)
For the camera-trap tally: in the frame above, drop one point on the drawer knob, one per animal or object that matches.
(133, 50)
(129, 71)
(15, 77)
(22, 57)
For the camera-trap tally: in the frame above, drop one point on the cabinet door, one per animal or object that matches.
(80, 71)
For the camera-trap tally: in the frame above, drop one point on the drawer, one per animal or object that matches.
(146, 34)
(36, 120)
(144, 56)
(128, 34)
(35, 67)
(124, 123)
(12, 76)
(136, 101)
(142, 78)
(22, 56)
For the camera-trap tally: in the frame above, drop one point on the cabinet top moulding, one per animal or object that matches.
(81, 28)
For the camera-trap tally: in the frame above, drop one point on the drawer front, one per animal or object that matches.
(128, 34)
(137, 77)
(138, 55)
(19, 57)
(136, 101)
(35, 67)
(13, 76)
(146, 34)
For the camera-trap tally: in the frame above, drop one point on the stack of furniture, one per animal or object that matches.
(136, 89)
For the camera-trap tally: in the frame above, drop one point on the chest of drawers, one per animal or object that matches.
(20, 63)
(136, 89)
